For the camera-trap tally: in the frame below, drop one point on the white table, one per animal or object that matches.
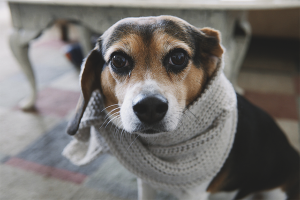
(31, 17)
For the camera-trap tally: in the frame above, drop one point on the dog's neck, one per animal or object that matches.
(184, 158)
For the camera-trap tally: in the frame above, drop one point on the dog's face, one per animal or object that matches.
(149, 70)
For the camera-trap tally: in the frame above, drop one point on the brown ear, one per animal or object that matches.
(211, 50)
(90, 81)
(212, 42)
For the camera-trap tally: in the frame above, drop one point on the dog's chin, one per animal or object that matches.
(149, 129)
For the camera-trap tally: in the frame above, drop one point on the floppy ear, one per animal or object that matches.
(90, 81)
(211, 50)
(212, 44)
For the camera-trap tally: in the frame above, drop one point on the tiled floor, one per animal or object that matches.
(31, 165)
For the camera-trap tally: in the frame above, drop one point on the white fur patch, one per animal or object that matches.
(275, 194)
(223, 195)
(130, 121)
(197, 193)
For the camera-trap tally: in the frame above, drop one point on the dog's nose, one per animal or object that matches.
(150, 108)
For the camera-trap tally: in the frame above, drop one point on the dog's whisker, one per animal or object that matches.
(112, 110)
(192, 114)
(117, 125)
(107, 118)
(108, 114)
(132, 142)
(116, 130)
(113, 115)
(122, 134)
(111, 120)
(109, 107)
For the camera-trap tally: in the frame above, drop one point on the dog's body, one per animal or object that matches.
(149, 70)
(261, 158)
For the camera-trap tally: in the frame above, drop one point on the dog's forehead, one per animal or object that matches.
(145, 28)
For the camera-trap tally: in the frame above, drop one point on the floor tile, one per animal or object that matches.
(45, 75)
(3, 158)
(266, 82)
(49, 62)
(13, 89)
(16, 87)
(113, 178)
(18, 129)
(17, 184)
(90, 194)
(46, 170)
(277, 105)
(47, 150)
(56, 102)
(291, 129)
(69, 81)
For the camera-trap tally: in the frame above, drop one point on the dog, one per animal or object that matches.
(150, 69)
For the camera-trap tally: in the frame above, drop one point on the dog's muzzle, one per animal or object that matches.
(150, 109)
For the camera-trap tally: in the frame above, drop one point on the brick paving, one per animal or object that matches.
(31, 165)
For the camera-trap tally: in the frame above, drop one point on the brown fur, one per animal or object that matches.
(147, 56)
(108, 84)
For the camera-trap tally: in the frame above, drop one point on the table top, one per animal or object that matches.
(174, 4)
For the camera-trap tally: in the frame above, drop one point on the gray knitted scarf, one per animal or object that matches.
(181, 159)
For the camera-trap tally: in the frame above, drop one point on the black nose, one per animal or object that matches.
(150, 108)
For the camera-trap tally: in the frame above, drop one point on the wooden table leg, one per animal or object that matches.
(19, 44)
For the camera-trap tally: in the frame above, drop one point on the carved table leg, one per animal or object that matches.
(19, 44)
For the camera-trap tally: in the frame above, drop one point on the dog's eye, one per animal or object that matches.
(177, 58)
(119, 61)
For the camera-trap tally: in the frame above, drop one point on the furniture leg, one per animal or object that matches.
(19, 43)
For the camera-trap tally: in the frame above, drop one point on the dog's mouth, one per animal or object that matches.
(150, 130)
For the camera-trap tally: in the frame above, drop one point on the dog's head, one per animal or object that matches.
(149, 70)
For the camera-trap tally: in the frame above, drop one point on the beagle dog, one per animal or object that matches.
(166, 63)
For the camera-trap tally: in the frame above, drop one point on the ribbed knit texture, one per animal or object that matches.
(180, 159)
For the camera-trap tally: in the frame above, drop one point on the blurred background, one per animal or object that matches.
(31, 142)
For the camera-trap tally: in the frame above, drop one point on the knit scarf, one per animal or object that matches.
(180, 159)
